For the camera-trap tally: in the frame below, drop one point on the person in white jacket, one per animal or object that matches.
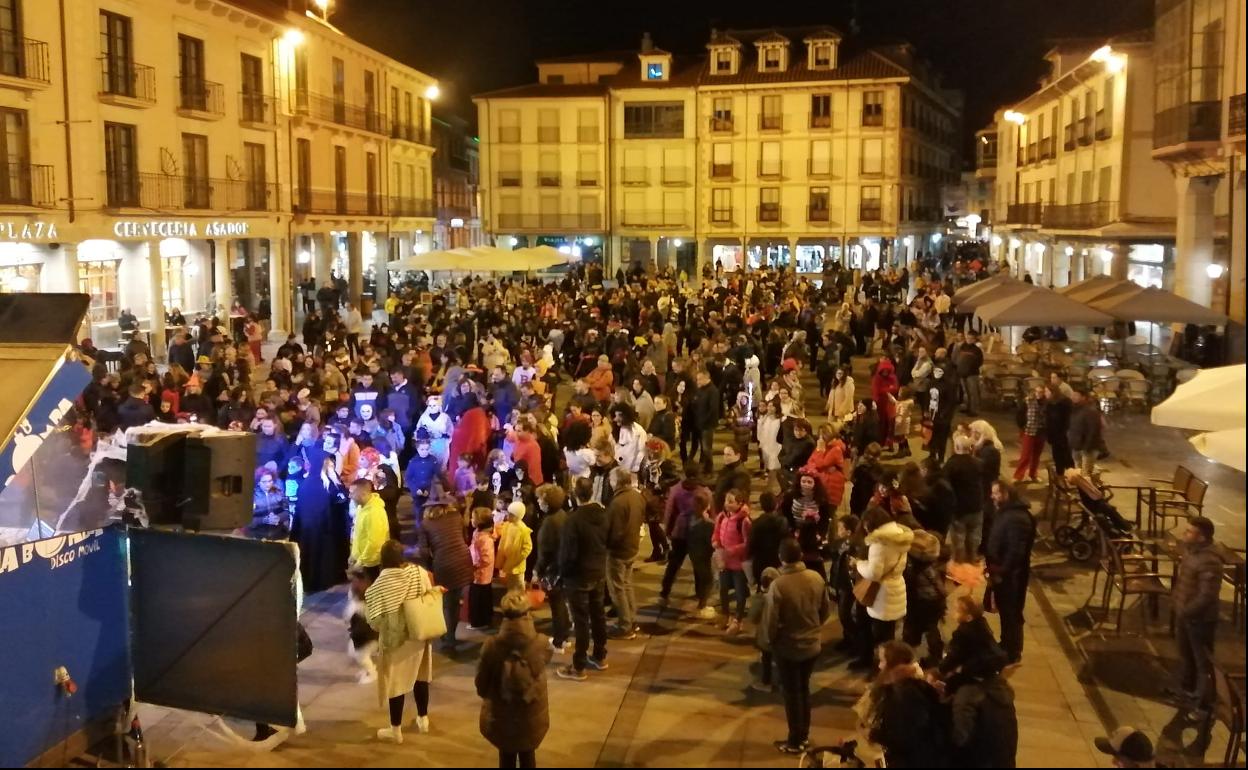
(752, 380)
(493, 353)
(841, 398)
(888, 544)
(769, 440)
(630, 438)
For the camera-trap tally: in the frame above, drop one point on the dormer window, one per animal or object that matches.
(723, 62)
(773, 53)
(654, 70)
(821, 59)
(771, 59)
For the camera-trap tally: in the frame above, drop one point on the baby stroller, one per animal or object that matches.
(1080, 537)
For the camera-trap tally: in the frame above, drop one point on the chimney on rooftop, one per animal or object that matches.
(647, 45)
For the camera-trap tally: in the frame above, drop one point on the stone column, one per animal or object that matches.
(1237, 274)
(281, 289)
(156, 301)
(1193, 242)
(322, 258)
(224, 254)
(355, 268)
(1117, 261)
(382, 275)
(652, 263)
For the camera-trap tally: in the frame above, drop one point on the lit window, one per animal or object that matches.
(654, 71)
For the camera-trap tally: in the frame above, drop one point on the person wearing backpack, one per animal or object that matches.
(511, 680)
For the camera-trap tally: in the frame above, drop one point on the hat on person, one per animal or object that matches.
(514, 605)
(203, 360)
(1127, 743)
(516, 510)
(789, 364)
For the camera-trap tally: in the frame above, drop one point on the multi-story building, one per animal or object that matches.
(186, 154)
(1199, 135)
(773, 147)
(1078, 192)
(455, 174)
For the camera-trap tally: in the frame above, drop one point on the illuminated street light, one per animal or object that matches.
(432, 93)
(304, 257)
(996, 240)
(293, 37)
(1017, 118)
(677, 243)
(1214, 270)
(1070, 251)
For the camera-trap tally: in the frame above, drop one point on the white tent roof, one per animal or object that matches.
(1089, 284)
(1224, 446)
(1104, 290)
(975, 288)
(1212, 400)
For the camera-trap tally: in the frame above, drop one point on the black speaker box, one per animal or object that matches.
(156, 468)
(219, 481)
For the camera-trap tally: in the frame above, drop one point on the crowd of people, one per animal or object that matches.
(542, 432)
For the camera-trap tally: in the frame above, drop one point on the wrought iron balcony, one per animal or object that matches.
(1024, 213)
(21, 57)
(1235, 120)
(1192, 122)
(26, 184)
(339, 203)
(176, 192)
(334, 110)
(257, 108)
(201, 96)
(123, 78)
(550, 222)
(1080, 216)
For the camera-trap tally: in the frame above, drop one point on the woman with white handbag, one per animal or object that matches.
(397, 605)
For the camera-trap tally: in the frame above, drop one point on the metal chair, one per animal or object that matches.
(1106, 393)
(1129, 374)
(1130, 572)
(1008, 390)
(1228, 708)
(1138, 393)
(1179, 507)
(1077, 375)
(1031, 383)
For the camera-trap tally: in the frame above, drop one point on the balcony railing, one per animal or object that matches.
(509, 134)
(1033, 153)
(721, 216)
(769, 212)
(409, 132)
(923, 214)
(257, 108)
(869, 212)
(1078, 216)
(770, 169)
(413, 207)
(340, 203)
(653, 218)
(24, 58)
(635, 175)
(1083, 131)
(819, 168)
(509, 179)
(334, 110)
(721, 171)
(550, 222)
(119, 77)
(587, 179)
(1235, 119)
(587, 134)
(721, 125)
(818, 214)
(180, 192)
(1068, 137)
(1104, 127)
(872, 118)
(675, 175)
(820, 121)
(1192, 122)
(548, 134)
(770, 122)
(1048, 148)
(1024, 213)
(986, 160)
(549, 179)
(201, 96)
(26, 184)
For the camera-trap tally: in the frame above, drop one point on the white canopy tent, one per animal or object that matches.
(1213, 400)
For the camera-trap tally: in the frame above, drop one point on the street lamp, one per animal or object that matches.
(433, 92)
(1015, 117)
(293, 37)
(1214, 270)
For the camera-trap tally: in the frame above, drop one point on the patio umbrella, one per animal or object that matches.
(431, 260)
(1089, 284)
(1223, 446)
(975, 288)
(1040, 307)
(1104, 291)
(1157, 306)
(1213, 400)
(994, 293)
(550, 255)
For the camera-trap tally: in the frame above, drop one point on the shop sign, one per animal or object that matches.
(27, 231)
(179, 228)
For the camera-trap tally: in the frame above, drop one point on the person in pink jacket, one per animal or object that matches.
(731, 540)
(481, 592)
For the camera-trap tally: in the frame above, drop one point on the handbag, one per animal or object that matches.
(866, 591)
(423, 614)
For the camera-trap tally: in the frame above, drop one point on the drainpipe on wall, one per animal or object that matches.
(69, 151)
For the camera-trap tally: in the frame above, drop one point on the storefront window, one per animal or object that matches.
(174, 269)
(98, 280)
(727, 256)
(810, 259)
(20, 278)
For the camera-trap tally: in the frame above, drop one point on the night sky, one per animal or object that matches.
(990, 49)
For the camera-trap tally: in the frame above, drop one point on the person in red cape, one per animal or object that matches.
(472, 433)
(883, 385)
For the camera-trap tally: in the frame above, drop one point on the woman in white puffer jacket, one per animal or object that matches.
(888, 543)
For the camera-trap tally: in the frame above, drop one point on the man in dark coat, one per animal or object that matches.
(1194, 597)
(1008, 555)
(1085, 431)
(985, 723)
(582, 569)
(135, 410)
(733, 475)
(704, 412)
(626, 513)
